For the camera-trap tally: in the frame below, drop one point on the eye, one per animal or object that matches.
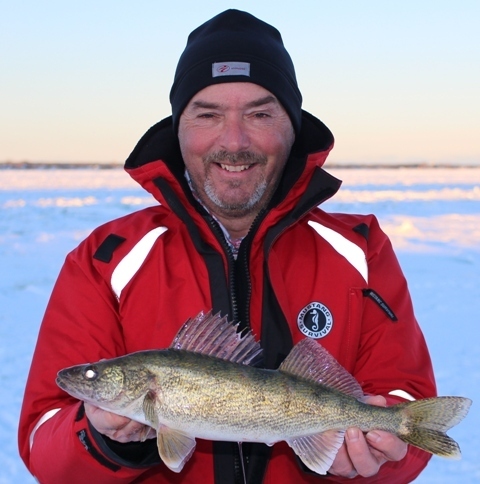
(90, 373)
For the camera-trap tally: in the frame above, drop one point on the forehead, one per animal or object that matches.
(233, 93)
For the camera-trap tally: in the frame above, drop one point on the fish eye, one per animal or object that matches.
(90, 373)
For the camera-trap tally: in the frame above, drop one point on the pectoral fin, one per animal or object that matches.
(318, 451)
(149, 409)
(174, 448)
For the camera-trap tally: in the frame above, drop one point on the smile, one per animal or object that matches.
(235, 168)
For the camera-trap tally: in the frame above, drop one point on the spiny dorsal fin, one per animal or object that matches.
(216, 336)
(310, 360)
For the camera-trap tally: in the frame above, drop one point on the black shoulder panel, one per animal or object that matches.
(362, 229)
(105, 251)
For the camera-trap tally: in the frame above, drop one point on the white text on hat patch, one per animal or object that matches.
(230, 69)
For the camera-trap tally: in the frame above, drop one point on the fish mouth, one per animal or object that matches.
(59, 382)
(63, 383)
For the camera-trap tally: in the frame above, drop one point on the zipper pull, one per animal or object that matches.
(374, 296)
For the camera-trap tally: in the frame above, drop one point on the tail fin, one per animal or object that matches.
(428, 420)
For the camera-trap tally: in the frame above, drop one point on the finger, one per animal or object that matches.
(104, 419)
(363, 460)
(147, 433)
(391, 447)
(94, 413)
(132, 432)
(342, 465)
(117, 427)
(377, 400)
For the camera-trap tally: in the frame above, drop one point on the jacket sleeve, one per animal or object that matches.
(392, 354)
(81, 324)
(396, 343)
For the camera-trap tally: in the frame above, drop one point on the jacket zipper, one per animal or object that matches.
(242, 264)
(374, 296)
(231, 266)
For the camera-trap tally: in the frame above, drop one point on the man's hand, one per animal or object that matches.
(116, 427)
(363, 455)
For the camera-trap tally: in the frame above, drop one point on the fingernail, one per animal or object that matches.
(373, 437)
(352, 435)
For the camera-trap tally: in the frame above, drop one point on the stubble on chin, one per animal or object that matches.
(231, 208)
(235, 209)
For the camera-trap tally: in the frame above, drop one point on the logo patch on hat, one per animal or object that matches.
(315, 320)
(230, 69)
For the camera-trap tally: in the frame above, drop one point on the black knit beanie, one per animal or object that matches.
(235, 46)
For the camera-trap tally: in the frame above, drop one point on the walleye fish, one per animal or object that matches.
(204, 386)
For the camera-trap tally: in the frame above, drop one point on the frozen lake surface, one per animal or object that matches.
(431, 215)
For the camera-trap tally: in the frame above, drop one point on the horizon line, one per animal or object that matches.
(36, 165)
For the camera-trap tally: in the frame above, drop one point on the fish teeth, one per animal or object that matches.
(236, 168)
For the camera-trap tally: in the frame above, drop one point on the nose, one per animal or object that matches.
(234, 137)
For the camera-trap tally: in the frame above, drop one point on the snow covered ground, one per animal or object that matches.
(432, 216)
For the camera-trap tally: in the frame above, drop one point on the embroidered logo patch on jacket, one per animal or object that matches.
(315, 320)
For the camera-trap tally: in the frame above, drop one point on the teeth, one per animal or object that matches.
(235, 167)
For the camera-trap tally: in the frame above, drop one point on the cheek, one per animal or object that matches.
(279, 150)
(194, 147)
(276, 142)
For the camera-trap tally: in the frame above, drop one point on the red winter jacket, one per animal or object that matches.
(134, 281)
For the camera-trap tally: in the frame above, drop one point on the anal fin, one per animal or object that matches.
(175, 448)
(318, 451)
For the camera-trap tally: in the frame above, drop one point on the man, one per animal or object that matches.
(237, 173)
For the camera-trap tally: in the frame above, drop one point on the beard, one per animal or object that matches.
(237, 208)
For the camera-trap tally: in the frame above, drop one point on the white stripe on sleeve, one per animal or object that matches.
(43, 419)
(352, 252)
(129, 265)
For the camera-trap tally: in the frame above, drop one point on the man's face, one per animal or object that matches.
(235, 139)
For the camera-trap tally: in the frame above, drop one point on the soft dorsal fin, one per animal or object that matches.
(310, 360)
(216, 336)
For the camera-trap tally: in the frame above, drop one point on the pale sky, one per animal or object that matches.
(396, 82)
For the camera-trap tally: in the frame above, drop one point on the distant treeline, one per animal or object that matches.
(42, 165)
